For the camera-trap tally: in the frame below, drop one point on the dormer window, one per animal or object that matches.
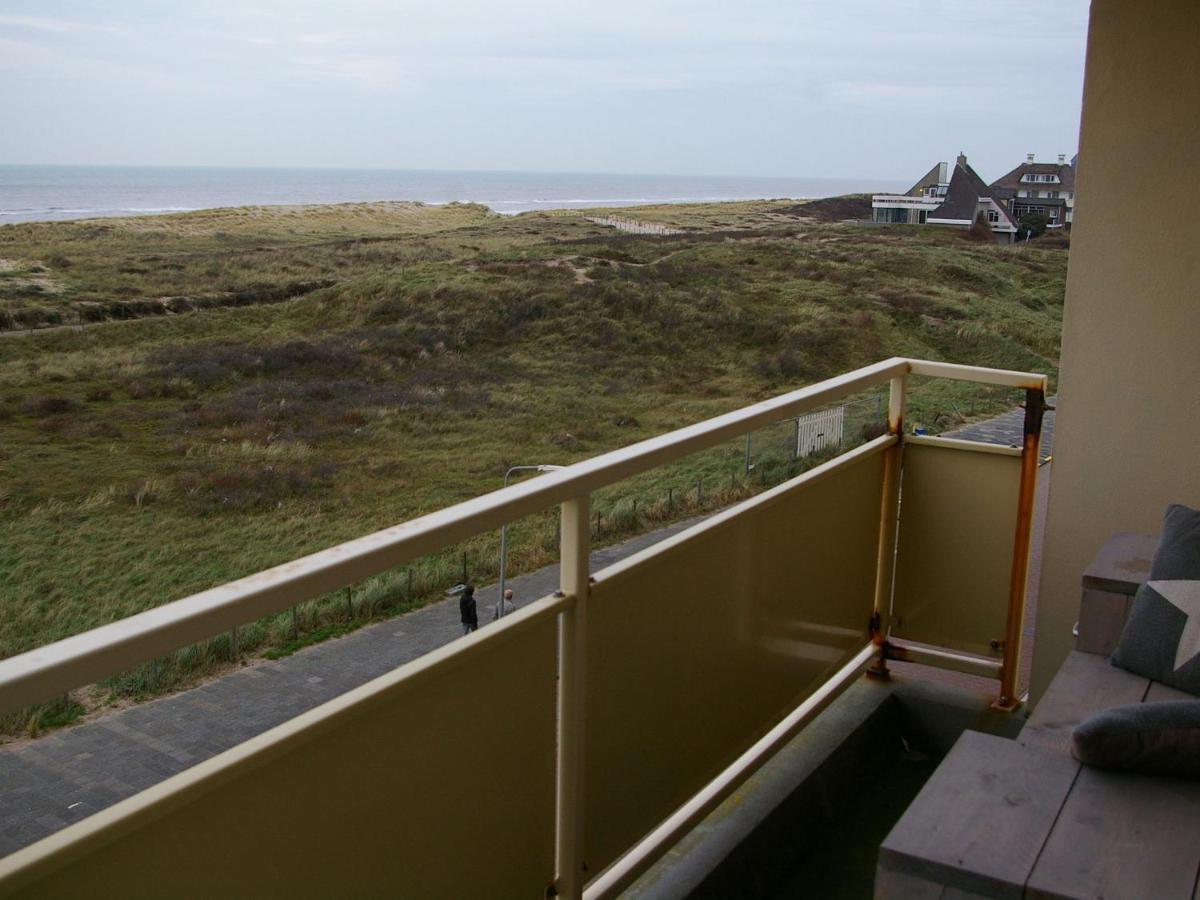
(993, 216)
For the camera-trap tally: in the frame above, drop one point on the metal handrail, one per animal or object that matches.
(48, 671)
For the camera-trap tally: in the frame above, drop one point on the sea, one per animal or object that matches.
(30, 193)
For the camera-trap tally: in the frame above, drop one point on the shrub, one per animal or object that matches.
(1032, 225)
(980, 230)
(50, 405)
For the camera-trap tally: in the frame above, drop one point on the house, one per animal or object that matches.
(947, 197)
(917, 202)
(1046, 189)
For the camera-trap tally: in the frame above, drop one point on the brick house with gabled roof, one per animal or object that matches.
(1044, 188)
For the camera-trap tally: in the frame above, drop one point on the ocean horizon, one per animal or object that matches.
(35, 193)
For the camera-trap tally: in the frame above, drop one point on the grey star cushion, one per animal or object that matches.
(1153, 738)
(1161, 639)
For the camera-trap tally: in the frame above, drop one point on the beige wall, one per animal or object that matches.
(1128, 438)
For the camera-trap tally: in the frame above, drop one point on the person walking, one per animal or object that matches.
(466, 609)
(505, 606)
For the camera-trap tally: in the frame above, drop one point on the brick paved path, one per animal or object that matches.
(70, 774)
(1008, 428)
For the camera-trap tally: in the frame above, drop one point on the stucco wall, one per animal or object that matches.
(1128, 427)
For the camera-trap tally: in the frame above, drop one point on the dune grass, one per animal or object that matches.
(151, 457)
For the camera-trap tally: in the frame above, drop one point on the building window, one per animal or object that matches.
(1053, 195)
(993, 216)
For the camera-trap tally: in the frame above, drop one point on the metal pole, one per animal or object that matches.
(889, 511)
(1035, 406)
(572, 648)
(465, 577)
(504, 550)
(748, 436)
(410, 596)
(504, 532)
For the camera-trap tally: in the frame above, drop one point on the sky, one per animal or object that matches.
(880, 88)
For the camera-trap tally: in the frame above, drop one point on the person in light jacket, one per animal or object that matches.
(466, 609)
(505, 606)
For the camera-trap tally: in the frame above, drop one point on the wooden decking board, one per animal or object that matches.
(1122, 835)
(948, 835)
(1085, 684)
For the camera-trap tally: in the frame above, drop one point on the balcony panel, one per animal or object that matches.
(428, 782)
(958, 517)
(698, 646)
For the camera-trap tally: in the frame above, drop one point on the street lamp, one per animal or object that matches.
(504, 530)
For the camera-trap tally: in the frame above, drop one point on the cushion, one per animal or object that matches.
(1153, 738)
(1161, 639)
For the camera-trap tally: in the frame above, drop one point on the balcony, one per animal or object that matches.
(582, 736)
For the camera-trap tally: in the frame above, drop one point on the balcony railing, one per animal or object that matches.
(561, 750)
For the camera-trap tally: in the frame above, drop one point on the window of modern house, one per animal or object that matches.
(993, 216)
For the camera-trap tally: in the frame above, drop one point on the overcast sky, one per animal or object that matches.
(880, 88)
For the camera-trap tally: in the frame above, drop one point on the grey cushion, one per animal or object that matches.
(1161, 639)
(1154, 738)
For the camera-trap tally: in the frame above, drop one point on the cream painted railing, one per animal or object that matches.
(624, 707)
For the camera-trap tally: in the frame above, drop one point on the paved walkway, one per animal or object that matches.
(1009, 428)
(70, 774)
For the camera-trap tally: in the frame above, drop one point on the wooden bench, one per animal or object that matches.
(1022, 818)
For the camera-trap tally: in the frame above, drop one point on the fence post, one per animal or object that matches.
(295, 625)
(748, 465)
(233, 644)
(349, 601)
(465, 579)
(670, 500)
(889, 509)
(1035, 405)
(572, 649)
(698, 495)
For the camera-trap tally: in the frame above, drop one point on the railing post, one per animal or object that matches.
(889, 510)
(1035, 406)
(572, 660)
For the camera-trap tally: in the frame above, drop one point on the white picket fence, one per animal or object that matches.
(819, 430)
(632, 226)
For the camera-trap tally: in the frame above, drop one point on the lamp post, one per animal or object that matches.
(504, 530)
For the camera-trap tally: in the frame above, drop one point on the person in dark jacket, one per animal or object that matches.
(466, 609)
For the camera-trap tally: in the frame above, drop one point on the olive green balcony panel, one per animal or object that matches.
(432, 781)
(958, 518)
(699, 645)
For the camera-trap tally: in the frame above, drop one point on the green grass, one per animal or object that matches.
(152, 457)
